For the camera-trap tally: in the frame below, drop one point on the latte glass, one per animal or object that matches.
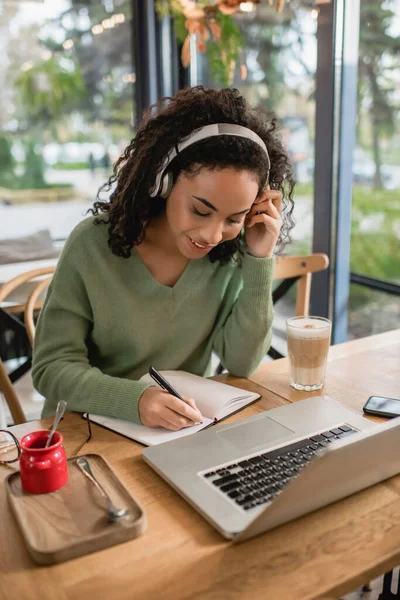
(308, 340)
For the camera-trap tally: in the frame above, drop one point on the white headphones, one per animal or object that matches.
(163, 183)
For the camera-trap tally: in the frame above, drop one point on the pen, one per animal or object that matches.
(162, 382)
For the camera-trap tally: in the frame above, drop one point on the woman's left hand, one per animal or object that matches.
(263, 223)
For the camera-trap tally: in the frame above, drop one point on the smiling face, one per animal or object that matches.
(209, 208)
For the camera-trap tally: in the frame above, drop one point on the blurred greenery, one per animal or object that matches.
(50, 89)
(76, 91)
(18, 183)
(390, 156)
(222, 53)
(33, 176)
(60, 93)
(304, 189)
(379, 55)
(72, 166)
(6, 163)
(374, 237)
(6, 157)
(32, 169)
(274, 47)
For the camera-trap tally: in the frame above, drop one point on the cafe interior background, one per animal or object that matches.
(76, 76)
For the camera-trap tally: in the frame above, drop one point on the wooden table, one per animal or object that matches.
(180, 556)
(356, 370)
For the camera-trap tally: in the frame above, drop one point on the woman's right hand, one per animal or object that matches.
(158, 408)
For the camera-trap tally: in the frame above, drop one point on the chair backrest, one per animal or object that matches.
(301, 267)
(32, 304)
(23, 278)
(11, 397)
(292, 270)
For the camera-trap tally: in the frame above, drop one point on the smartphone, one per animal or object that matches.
(383, 407)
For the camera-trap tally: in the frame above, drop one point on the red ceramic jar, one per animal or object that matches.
(43, 470)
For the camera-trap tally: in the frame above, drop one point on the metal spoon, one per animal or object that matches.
(59, 413)
(114, 514)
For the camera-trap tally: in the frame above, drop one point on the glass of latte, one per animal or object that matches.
(308, 341)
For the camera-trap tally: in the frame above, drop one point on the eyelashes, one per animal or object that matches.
(200, 214)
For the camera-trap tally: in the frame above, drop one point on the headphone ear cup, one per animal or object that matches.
(166, 185)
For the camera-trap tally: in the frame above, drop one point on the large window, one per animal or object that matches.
(375, 239)
(67, 95)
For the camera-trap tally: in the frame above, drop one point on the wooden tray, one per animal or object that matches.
(73, 521)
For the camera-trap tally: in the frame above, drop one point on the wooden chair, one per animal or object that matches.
(292, 270)
(31, 307)
(10, 320)
(300, 269)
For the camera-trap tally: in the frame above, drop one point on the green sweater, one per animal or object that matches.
(105, 320)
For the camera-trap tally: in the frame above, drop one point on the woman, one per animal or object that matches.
(178, 264)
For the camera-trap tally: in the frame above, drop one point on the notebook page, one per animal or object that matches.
(212, 397)
(145, 435)
(214, 400)
(235, 404)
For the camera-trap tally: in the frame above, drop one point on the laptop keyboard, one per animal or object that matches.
(257, 479)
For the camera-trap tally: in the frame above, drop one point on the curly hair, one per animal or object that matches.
(130, 208)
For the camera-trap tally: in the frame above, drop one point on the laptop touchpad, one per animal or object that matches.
(256, 433)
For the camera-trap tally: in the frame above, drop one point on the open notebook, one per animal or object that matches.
(215, 401)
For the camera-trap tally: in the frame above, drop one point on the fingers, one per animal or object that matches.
(268, 207)
(166, 424)
(171, 420)
(175, 421)
(268, 193)
(264, 209)
(274, 195)
(187, 409)
(266, 219)
(277, 202)
(192, 403)
(175, 414)
(170, 424)
(157, 408)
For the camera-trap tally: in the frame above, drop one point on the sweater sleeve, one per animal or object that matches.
(244, 333)
(61, 363)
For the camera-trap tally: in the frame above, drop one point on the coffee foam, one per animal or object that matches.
(309, 329)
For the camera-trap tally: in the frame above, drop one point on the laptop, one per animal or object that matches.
(253, 475)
